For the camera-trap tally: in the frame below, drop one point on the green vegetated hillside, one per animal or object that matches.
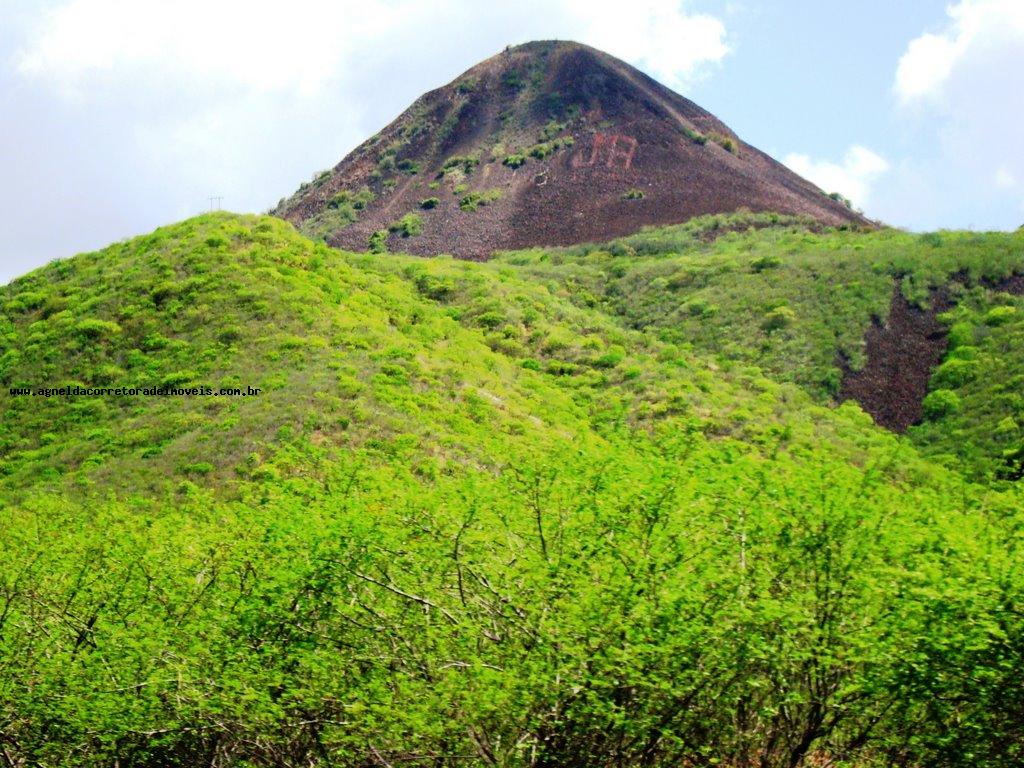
(587, 507)
(779, 293)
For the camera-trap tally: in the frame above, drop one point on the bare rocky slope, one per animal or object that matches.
(547, 143)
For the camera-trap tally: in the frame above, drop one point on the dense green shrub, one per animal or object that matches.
(961, 334)
(1000, 315)
(768, 261)
(778, 318)
(955, 372)
(940, 403)
(94, 328)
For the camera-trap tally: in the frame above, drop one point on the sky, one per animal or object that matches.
(118, 116)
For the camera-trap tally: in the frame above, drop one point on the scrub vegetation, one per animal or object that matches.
(593, 506)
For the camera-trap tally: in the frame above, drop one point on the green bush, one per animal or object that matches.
(1000, 315)
(198, 468)
(778, 318)
(429, 203)
(475, 200)
(514, 161)
(178, 378)
(491, 319)
(513, 80)
(954, 373)
(408, 166)
(695, 136)
(409, 225)
(725, 142)
(434, 287)
(25, 301)
(551, 130)
(940, 403)
(547, 148)
(768, 261)
(93, 328)
(463, 163)
(961, 334)
(379, 241)
(611, 358)
(633, 194)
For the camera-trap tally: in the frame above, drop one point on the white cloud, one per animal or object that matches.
(655, 35)
(254, 45)
(853, 177)
(261, 46)
(926, 66)
(960, 92)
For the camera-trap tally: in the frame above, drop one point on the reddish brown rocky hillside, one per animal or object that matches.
(548, 143)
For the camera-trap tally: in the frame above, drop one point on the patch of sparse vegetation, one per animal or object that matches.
(342, 210)
(725, 142)
(633, 194)
(474, 200)
(378, 242)
(695, 136)
(461, 163)
(547, 148)
(551, 130)
(408, 166)
(839, 198)
(513, 79)
(409, 225)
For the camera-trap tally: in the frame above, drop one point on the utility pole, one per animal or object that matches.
(215, 201)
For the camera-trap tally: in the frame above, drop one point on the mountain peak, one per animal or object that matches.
(546, 143)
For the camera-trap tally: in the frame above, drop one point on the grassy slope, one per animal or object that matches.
(768, 291)
(476, 516)
(396, 352)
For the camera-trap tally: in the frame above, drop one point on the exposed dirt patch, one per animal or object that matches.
(1013, 284)
(902, 353)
